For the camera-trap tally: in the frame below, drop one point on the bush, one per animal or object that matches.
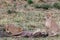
(11, 11)
(44, 6)
(30, 1)
(14, 0)
(57, 5)
(37, 6)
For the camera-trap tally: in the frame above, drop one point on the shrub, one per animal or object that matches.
(44, 6)
(57, 5)
(29, 1)
(11, 11)
(37, 6)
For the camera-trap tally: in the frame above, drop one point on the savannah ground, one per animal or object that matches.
(24, 13)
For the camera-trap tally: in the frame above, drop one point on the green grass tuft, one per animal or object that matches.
(57, 5)
(29, 1)
(44, 6)
(11, 11)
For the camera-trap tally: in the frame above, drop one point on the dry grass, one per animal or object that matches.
(24, 15)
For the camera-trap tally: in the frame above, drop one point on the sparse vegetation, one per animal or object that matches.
(57, 5)
(47, 6)
(44, 6)
(11, 11)
(29, 1)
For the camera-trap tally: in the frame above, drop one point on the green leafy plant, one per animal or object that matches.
(44, 6)
(29, 1)
(11, 11)
(37, 6)
(57, 5)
